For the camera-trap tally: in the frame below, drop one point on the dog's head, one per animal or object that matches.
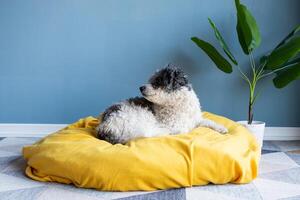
(166, 86)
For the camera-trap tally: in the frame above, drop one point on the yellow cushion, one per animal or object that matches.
(74, 155)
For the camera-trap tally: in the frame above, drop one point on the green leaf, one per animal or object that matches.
(247, 29)
(287, 76)
(282, 54)
(296, 60)
(291, 34)
(286, 65)
(214, 55)
(242, 39)
(263, 60)
(222, 42)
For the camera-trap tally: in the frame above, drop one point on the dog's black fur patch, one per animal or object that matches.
(137, 101)
(170, 79)
(107, 136)
(141, 101)
(112, 109)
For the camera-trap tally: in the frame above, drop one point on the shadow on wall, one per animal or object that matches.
(185, 61)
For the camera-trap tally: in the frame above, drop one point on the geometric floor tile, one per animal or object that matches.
(14, 183)
(234, 191)
(278, 157)
(17, 164)
(17, 149)
(6, 161)
(17, 141)
(269, 145)
(272, 162)
(270, 190)
(92, 192)
(18, 174)
(287, 145)
(295, 157)
(178, 194)
(195, 194)
(264, 151)
(288, 176)
(22, 194)
(7, 153)
(292, 198)
(59, 194)
(294, 152)
(15, 145)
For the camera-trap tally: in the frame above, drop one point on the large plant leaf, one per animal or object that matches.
(296, 60)
(282, 54)
(214, 55)
(247, 29)
(287, 76)
(242, 40)
(263, 59)
(291, 34)
(222, 42)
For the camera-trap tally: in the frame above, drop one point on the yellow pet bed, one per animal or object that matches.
(74, 155)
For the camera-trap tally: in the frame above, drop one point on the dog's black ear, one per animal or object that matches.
(170, 77)
(179, 78)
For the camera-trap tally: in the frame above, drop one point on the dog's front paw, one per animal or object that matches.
(222, 129)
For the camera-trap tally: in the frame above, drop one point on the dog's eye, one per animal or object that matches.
(156, 83)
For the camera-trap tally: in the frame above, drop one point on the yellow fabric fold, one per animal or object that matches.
(74, 155)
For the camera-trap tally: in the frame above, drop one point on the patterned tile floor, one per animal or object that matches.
(279, 178)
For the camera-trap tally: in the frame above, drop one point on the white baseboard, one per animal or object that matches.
(41, 130)
(282, 133)
(28, 130)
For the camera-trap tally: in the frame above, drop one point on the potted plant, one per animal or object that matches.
(283, 62)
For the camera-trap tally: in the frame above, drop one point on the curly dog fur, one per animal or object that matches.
(169, 106)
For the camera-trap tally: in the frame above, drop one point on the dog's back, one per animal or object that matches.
(129, 119)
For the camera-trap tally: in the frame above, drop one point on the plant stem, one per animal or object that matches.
(252, 89)
(274, 71)
(250, 111)
(250, 104)
(256, 76)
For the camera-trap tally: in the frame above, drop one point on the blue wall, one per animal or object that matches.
(61, 60)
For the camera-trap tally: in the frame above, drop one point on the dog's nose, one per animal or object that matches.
(142, 88)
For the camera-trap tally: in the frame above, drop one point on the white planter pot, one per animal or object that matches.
(257, 128)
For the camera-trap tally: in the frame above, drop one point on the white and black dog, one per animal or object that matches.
(169, 106)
